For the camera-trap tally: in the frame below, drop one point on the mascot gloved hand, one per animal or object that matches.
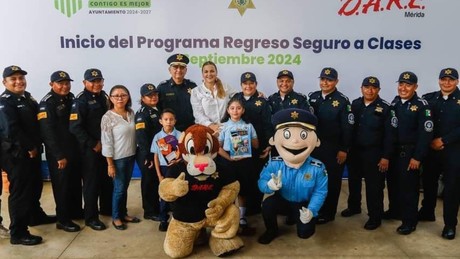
(202, 195)
(294, 180)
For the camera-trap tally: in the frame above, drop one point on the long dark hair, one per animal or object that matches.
(227, 116)
(122, 87)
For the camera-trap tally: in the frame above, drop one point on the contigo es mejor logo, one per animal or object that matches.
(411, 8)
(69, 7)
(241, 5)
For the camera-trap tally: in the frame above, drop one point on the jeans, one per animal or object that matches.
(124, 170)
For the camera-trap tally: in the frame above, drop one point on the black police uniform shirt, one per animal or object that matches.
(53, 117)
(19, 129)
(258, 113)
(335, 119)
(177, 98)
(375, 125)
(85, 117)
(446, 115)
(147, 125)
(191, 207)
(291, 100)
(415, 125)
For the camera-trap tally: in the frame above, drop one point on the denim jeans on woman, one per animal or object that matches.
(124, 170)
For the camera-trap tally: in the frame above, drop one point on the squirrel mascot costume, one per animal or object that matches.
(294, 183)
(202, 196)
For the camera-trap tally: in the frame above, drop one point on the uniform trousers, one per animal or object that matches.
(276, 205)
(408, 182)
(363, 163)
(96, 184)
(149, 187)
(432, 167)
(22, 178)
(67, 191)
(451, 170)
(327, 154)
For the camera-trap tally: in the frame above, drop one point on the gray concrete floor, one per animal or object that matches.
(345, 237)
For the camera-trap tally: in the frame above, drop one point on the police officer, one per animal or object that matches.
(147, 126)
(335, 125)
(444, 153)
(414, 133)
(61, 155)
(257, 111)
(175, 92)
(85, 123)
(286, 97)
(370, 153)
(20, 152)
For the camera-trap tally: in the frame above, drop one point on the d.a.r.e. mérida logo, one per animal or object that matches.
(71, 7)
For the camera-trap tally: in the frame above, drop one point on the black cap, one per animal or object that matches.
(178, 59)
(148, 89)
(296, 117)
(329, 73)
(449, 72)
(408, 77)
(248, 76)
(371, 81)
(8, 71)
(59, 76)
(93, 74)
(285, 73)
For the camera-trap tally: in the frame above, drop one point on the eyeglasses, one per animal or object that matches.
(122, 96)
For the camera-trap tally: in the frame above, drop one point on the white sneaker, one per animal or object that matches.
(4, 232)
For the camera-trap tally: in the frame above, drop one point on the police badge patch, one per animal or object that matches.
(428, 126)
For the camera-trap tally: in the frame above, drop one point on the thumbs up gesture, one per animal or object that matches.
(180, 185)
(275, 183)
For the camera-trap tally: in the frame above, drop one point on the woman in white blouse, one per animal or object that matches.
(118, 139)
(209, 100)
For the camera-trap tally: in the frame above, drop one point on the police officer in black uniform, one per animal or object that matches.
(61, 155)
(175, 92)
(258, 113)
(444, 153)
(370, 153)
(85, 123)
(147, 125)
(286, 97)
(20, 152)
(414, 133)
(335, 126)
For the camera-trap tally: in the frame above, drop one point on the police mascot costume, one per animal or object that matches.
(294, 183)
(202, 195)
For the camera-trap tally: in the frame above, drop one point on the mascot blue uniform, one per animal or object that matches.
(294, 184)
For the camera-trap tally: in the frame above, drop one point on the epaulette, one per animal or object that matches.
(189, 81)
(429, 95)
(163, 82)
(316, 163)
(141, 110)
(385, 102)
(341, 94)
(276, 158)
(79, 94)
(420, 99)
(5, 95)
(46, 97)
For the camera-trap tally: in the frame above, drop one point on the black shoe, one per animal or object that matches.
(27, 240)
(405, 229)
(152, 217)
(390, 215)
(425, 216)
(96, 224)
(68, 226)
(372, 224)
(119, 227)
(132, 220)
(163, 227)
(42, 220)
(349, 212)
(267, 237)
(323, 220)
(448, 233)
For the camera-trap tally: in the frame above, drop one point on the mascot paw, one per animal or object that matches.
(225, 247)
(214, 210)
(180, 185)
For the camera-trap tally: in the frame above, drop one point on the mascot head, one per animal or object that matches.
(295, 137)
(198, 148)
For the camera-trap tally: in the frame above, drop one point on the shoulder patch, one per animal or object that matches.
(316, 163)
(140, 125)
(42, 115)
(277, 158)
(73, 116)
